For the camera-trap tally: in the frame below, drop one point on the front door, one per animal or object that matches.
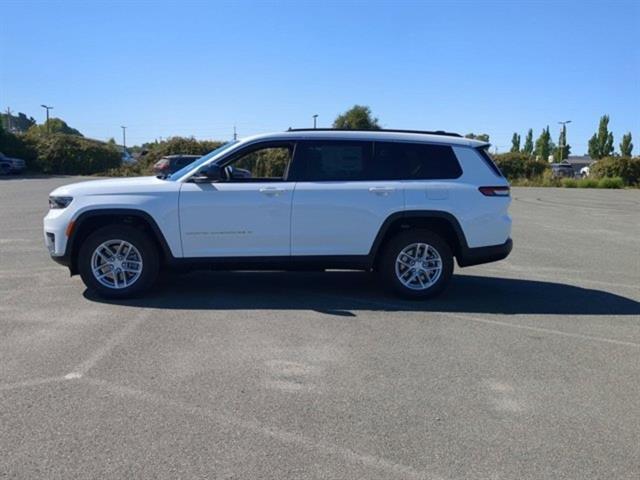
(247, 214)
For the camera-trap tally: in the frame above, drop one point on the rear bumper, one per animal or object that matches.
(480, 255)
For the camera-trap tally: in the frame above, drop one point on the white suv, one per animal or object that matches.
(401, 203)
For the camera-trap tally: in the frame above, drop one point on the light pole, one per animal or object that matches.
(315, 118)
(563, 138)
(47, 109)
(124, 138)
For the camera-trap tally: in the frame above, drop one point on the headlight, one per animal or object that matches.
(59, 202)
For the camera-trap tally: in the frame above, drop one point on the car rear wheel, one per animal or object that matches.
(417, 264)
(118, 261)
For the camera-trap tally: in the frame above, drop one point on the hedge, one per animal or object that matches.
(624, 167)
(73, 155)
(516, 165)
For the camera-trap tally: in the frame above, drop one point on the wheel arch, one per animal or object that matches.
(443, 223)
(91, 220)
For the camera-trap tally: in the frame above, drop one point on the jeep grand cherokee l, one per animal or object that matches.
(403, 204)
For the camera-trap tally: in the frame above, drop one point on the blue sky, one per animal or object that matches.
(198, 68)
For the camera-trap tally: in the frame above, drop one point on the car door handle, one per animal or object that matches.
(383, 191)
(272, 191)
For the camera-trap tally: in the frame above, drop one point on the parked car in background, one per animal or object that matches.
(5, 168)
(172, 163)
(16, 165)
(562, 170)
(127, 158)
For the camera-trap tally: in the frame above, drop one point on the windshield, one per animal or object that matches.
(195, 165)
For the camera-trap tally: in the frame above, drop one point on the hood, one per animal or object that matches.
(115, 186)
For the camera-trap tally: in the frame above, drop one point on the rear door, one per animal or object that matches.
(341, 199)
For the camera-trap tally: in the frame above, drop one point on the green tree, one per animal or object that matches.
(358, 117)
(483, 137)
(544, 145)
(54, 125)
(601, 144)
(564, 149)
(626, 147)
(515, 143)
(20, 124)
(528, 143)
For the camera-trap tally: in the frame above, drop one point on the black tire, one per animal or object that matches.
(137, 238)
(393, 250)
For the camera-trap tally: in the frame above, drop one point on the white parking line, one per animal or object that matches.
(370, 461)
(489, 322)
(105, 349)
(542, 330)
(29, 383)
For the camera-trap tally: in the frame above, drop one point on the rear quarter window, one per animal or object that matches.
(418, 161)
(489, 161)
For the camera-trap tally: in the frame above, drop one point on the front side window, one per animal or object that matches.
(418, 161)
(268, 163)
(192, 167)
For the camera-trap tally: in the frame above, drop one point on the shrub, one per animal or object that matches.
(72, 155)
(18, 146)
(548, 180)
(588, 183)
(515, 165)
(135, 170)
(611, 182)
(569, 182)
(623, 167)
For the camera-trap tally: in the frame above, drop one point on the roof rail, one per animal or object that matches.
(427, 132)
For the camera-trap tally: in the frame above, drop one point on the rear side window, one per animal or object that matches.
(333, 161)
(418, 161)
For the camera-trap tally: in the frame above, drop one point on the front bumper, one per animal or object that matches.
(55, 232)
(480, 255)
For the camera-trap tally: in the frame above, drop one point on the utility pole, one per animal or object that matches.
(235, 134)
(315, 118)
(47, 109)
(8, 119)
(563, 141)
(124, 138)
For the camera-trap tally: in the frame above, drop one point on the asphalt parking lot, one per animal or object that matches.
(526, 368)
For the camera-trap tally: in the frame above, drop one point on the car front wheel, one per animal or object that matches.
(118, 261)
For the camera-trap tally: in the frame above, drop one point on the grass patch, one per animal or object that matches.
(548, 181)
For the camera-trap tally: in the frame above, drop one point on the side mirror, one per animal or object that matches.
(210, 173)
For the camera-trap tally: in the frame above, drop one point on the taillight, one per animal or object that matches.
(494, 191)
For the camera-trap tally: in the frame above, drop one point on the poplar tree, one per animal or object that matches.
(626, 147)
(528, 143)
(544, 145)
(601, 144)
(515, 143)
